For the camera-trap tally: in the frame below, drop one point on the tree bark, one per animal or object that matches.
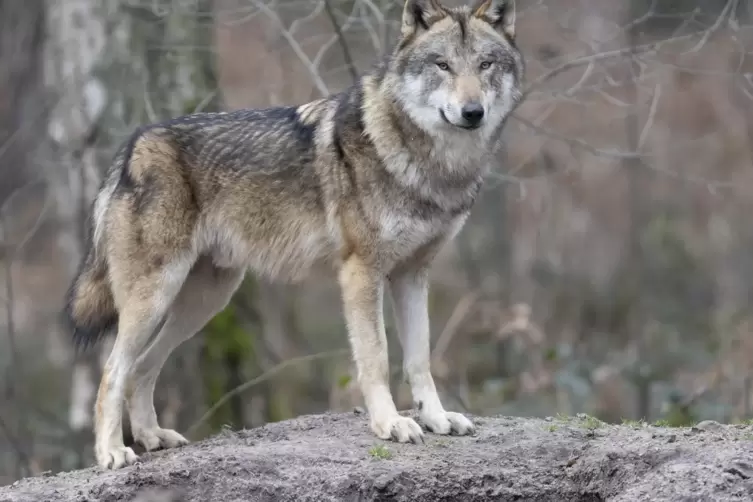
(22, 114)
(115, 66)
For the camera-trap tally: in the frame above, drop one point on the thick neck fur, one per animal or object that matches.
(444, 166)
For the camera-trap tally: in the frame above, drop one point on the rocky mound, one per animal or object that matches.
(333, 457)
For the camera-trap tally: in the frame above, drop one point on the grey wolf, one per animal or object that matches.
(370, 182)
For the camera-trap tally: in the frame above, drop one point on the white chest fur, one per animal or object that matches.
(398, 225)
(402, 233)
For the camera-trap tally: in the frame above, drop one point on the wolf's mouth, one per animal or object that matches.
(468, 127)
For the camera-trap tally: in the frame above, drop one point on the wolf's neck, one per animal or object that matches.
(447, 171)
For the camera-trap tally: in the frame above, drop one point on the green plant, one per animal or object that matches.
(381, 452)
(592, 423)
(635, 424)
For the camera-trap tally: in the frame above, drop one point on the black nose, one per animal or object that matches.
(473, 113)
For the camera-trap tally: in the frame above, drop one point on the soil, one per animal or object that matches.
(334, 457)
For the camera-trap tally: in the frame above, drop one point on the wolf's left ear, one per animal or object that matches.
(420, 14)
(499, 13)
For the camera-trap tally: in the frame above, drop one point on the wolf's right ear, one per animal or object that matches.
(420, 15)
(499, 13)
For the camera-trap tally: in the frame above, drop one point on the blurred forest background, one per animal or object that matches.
(607, 268)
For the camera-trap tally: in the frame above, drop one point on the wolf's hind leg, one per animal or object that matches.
(362, 289)
(409, 291)
(207, 291)
(146, 298)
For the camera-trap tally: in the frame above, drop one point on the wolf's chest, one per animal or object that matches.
(396, 225)
(401, 233)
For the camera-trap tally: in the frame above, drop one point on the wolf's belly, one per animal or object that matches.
(281, 254)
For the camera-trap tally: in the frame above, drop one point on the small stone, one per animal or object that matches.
(358, 410)
(707, 425)
(672, 438)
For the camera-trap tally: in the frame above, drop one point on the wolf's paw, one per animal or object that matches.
(156, 439)
(447, 422)
(397, 428)
(115, 457)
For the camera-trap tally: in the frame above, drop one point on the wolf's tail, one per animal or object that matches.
(90, 307)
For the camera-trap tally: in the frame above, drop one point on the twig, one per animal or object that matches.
(33, 230)
(451, 327)
(730, 6)
(712, 185)
(261, 378)
(650, 120)
(617, 154)
(23, 458)
(583, 60)
(341, 39)
(205, 102)
(318, 82)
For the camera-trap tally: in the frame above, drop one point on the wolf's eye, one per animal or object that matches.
(485, 65)
(443, 66)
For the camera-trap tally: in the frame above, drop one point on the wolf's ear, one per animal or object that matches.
(499, 13)
(420, 14)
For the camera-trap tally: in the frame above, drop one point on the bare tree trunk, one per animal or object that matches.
(76, 42)
(638, 183)
(22, 114)
(114, 67)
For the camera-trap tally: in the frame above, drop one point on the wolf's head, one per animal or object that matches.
(457, 69)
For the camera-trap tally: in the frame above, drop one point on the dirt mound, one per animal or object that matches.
(333, 457)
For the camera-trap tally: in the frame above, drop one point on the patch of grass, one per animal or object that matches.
(381, 452)
(668, 422)
(561, 417)
(592, 423)
(635, 424)
(748, 436)
(552, 428)
(747, 421)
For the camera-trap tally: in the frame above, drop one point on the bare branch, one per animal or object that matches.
(650, 120)
(343, 44)
(261, 378)
(731, 6)
(312, 69)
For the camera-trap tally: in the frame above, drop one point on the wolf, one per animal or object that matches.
(370, 182)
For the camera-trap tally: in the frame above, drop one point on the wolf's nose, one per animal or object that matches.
(473, 113)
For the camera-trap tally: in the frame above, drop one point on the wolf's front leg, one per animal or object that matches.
(409, 291)
(362, 290)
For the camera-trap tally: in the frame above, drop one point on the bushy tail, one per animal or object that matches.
(90, 307)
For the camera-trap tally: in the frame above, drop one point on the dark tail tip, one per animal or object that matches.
(87, 320)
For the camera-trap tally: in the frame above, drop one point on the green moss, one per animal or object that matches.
(343, 381)
(380, 452)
